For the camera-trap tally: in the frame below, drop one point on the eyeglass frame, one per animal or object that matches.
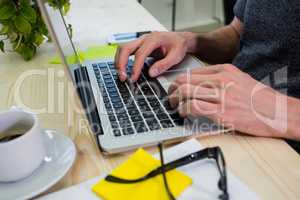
(207, 153)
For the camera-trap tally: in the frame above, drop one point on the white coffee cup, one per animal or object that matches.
(19, 157)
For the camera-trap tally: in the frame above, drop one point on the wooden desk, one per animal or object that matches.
(268, 166)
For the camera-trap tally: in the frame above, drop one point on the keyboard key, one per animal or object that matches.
(145, 108)
(116, 100)
(141, 80)
(162, 116)
(167, 124)
(133, 112)
(105, 99)
(112, 89)
(128, 131)
(111, 65)
(153, 125)
(136, 118)
(113, 95)
(126, 97)
(124, 121)
(148, 115)
(105, 71)
(131, 106)
(142, 102)
(98, 77)
(119, 83)
(154, 104)
(102, 65)
(114, 124)
(140, 127)
(104, 94)
(116, 77)
(159, 110)
(152, 99)
(122, 88)
(100, 83)
(118, 105)
(110, 85)
(112, 118)
(95, 67)
(109, 111)
(125, 124)
(117, 132)
(122, 117)
(147, 90)
(107, 78)
(108, 81)
(108, 106)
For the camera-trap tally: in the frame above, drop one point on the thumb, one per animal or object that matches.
(163, 65)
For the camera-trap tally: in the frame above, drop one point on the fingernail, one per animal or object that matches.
(154, 72)
(122, 76)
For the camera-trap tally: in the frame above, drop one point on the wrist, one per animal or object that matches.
(293, 118)
(190, 41)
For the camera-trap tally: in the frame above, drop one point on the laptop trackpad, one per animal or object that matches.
(187, 64)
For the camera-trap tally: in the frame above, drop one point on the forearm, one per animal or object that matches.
(293, 118)
(219, 46)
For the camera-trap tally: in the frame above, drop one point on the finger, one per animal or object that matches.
(186, 92)
(207, 81)
(122, 56)
(198, 108)
(204, 70)
(140, 56)
(163, 65)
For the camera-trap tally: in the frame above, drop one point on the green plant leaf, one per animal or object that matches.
(22, 24)
(39, 38)
(2, 45)
(28, 13)
(7, 11)
(13, 36)
(26, 51)
(24, 2)
(4, 29)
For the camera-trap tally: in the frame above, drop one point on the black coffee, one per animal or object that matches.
(14, 132)
(9, 138)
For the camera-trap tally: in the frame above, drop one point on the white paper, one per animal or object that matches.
(204, 174)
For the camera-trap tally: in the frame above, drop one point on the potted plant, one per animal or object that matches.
(23, 27)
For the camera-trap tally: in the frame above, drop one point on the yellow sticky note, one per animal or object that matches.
(92, 53)
(70, 59)
(139, 164)
(98, 52)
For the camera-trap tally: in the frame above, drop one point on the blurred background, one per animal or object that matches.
(191, 15)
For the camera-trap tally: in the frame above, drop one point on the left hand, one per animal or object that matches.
(230, 97)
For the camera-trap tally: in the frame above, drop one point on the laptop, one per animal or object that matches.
(123, 115)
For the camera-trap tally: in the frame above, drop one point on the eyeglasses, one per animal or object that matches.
(214, 153)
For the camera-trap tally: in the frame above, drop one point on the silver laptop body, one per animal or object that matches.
(87, 83)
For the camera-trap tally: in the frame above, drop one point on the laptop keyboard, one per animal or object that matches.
(134, 107)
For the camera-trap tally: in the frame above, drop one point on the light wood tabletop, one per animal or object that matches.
(268, 166)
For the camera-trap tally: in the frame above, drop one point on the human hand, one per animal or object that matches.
(169, 47)
(230, 97)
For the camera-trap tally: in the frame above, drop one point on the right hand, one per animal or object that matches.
(169, 47)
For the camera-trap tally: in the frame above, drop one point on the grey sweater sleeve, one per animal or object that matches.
(239, 9)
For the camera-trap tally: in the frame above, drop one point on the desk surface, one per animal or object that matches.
(268, 166)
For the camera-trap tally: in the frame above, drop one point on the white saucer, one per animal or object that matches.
(61, 153)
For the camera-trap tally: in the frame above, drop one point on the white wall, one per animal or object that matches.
(197, 15)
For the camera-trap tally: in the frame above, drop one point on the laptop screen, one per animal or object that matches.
(57, 27)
